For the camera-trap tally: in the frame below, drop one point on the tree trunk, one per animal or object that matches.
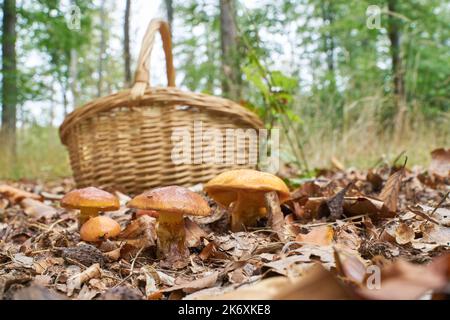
(328, 40)
(126, 43)
(231, 82)
(102, 49)
(397, 69)
(169, 10)
(9, 78)
(73, 73)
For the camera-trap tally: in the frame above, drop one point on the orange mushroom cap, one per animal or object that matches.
(99, 228)
(171, 199)
(90, 197)
(224, 187)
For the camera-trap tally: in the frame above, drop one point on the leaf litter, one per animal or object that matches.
(321, 244)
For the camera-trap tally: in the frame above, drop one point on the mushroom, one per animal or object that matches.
(98, 229)
(90, 201)
(245, 189)
(172, 203)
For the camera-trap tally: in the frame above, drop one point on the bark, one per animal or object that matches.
(9, 79)
(230, 66)
(102, 49)
(169, 10)
(329, 45)
(126, 43)
(397, 69)
(73, 78)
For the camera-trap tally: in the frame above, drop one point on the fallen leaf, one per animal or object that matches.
(75, 281)
(37, 292)
(375, 180)
(350, 266)
(37, 209)
(15, 195)
(440, 163)
(23, 260)
(211, 251)
(435, 234)
(275, 218)
(139, 234)
(194, 234)
(121, 293)
(389, 194)
(361, 205)
(404, 234)
(195, 285)
(322, 236)
(402, 280)
(316, 284)
(333, 206)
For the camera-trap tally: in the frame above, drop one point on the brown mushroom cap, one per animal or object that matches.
(90, 197)
(99, 228)
(171, 199)
(224, 188)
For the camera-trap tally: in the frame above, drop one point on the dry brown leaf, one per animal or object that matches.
(315, 283)
(354, 206)
(140, 233)
(435, 233)
(322, 236)
(440, 163)
(15, 195)
(333, 206)
(375, 180)
(405, 281)
(404, 234)
(75, 281)
(274, 214)
(194, 234)
(390, 192)
(195, 285)
(350, 266)
(37, 292)
(211, 251)
(37, 209)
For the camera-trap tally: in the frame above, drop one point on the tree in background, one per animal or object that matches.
(169, 11)
(231, 77)
(9, 78)
(126, 43)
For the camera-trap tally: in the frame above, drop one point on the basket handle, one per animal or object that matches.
(142, 74)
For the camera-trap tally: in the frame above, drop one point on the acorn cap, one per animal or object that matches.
(171, 199)
(99, 228)
(90, 197)
(224, 188)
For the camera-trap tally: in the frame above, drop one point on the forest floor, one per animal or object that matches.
(347, 234)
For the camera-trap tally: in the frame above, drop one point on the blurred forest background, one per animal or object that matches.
(339, 79)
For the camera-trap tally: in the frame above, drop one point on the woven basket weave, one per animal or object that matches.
(123, 141)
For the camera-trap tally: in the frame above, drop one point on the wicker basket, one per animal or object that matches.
(123, 141)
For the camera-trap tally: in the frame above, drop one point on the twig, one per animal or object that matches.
(440, 203)
(131, 268)
(332, 222)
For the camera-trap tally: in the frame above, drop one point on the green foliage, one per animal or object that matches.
(40, 155)
(334, 95)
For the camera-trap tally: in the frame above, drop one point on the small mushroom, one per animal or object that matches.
(172, 203)
(245, 189)
(98, 229)
(90, 201)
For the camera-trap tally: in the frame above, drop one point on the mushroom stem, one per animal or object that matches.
(247, 209)
(86, 214)
(171, 237)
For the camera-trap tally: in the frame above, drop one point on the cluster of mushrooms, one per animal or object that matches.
(241, 192)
